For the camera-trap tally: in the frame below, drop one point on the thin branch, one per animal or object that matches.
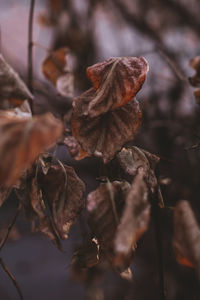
(30, 46)
(11, 226)
(5, 268)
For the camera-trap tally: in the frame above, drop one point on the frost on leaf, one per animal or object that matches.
(13, 90)
(186, 240)
(105, 206)
(57, 68)
(116, 81)
(106, 134)
(133, 158)
(22, 140)
(63, 191)
(135, 218)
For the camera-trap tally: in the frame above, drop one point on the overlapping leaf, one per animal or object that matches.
(135, 218)
(63, 191)
(195, 80)
(186, 236)
(57, 68)
(118, 216)
(116, 81)
(13, 90)
(105, 135)
(22, 140)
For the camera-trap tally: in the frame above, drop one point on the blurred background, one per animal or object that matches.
(167, 34)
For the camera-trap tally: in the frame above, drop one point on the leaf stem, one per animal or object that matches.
(30, 46)
(5, 268)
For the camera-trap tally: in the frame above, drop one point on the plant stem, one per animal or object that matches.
(11, 226)
(30, 46)
(157, 223)
(5, 268)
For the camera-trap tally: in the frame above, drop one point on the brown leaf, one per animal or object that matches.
(186, 240)
(195, 64)
(13, 90)
(57, 68)
(63, 191)
(133, 158)
(135, 218)
(105, 135)
(116, 81)
(197, 96)
(22, 140)
(105, 206)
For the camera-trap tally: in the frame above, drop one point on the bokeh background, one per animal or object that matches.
(167, 34)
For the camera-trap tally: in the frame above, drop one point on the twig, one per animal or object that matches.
(30, 46)
(5, 268)
(156, 210)
(11, 226)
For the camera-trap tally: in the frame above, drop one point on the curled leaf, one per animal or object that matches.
(22, 140)
(195, 64)
(135, 218)
(106, 134)
(116, 81)
(13, 90)
(57, 68)
(63, 191)
(186, 239)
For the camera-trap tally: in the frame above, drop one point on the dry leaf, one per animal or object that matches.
(63, 191)
(195, 64)
(116, 81)
(22, 140)
(186, 240)
(105, 206)
(133, 158)
(135, 218)
(105, 135)
(57, 68)
(13, 90)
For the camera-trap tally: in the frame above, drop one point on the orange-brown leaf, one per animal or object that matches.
(22, 140)
(116, 81)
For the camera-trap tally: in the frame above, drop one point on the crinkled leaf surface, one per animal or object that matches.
(63, 191)
(106, 134)
(186, 240)
(135, 219)
(22, 140)
(105, 206)
(13, 90)
(116, 81)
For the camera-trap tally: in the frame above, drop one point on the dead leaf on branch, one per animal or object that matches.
(106, 134)
(116, 81)
(22, 140)
(135, 218)
(58, 68)
(133, 158)
(186, 239)
(105, 206)
(63, 191)
(13, 90)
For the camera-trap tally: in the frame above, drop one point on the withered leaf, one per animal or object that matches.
(116, 81)
(22, 140)
(133, 158)
(195, 64)
(13, 90)
(29, 193)
(105, 206)
(106, 134)
(186, 240)
(57, 68)
(63, 191)
(84, 258)
(135, 219)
